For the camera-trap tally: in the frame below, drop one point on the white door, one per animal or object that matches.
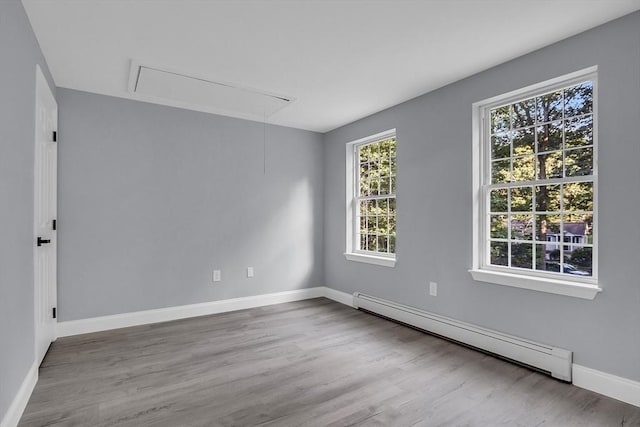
(45, 209)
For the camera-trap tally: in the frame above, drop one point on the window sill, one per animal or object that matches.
(541, 284)
(371, 259)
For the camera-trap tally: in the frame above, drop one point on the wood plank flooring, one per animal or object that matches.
(307, 363)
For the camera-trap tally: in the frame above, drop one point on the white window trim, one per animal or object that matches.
(533, 280)
(385, 260)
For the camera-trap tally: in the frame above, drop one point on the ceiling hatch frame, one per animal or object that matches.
(177, 88)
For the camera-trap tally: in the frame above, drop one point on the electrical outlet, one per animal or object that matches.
(433, 289)
(217, 275)
(249, 271)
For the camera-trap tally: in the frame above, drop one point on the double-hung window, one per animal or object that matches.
(371, 199)
(536, 185)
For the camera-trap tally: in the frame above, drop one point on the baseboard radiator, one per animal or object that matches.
(552, 360)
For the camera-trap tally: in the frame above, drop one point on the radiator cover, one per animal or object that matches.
(552, 360)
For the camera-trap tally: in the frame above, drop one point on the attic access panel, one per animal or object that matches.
(198, 93)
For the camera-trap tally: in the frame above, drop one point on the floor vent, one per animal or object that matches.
(552, 360)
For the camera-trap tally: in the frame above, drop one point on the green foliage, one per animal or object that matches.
(377, 177)
(544, 137)
(498, 227)
(582, 257)
(377, 168)
(499, 253)
(521, 255)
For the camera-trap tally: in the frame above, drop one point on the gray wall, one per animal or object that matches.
(20, 53)
(434, 206)
(153, 198)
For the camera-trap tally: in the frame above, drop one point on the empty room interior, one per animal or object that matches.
(319, 213)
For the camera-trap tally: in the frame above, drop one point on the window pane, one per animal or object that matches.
(499, 253)
(521, 199)
(578, 196)
(578, 261)
(385, 168)
(578, 228)
(579, 162)
(372, 242)
(364, 170)
(363, 207)
(365, 153)
(548, 230)
(371, 207)
(363, 242)
(383, 225)
(382, 243)
(381, 207)
(392, 244)
(521, 227)
(550, 264)
(498, 200)
(392, 206)
(392, 185)
(523, 141)
(498, 227)
(500, 146)
(541, 257)
(579, 99)
(579, 131)
(524, 113)
(550, 165)
(384, 185)
(364, 188)
(500, 171)
(549, 107)
(500, 119)
(549, 137)
(374, 185)
(392, 225)
(547, 198)
(524, 168)
(372, 224)
(375, 152)
(363, 225)
(522, 255)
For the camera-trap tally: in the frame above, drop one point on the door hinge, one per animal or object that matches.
(55, 136)
(55, 315)
(54, 224)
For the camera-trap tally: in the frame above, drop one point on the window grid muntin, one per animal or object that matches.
(388, 197)
(488, 185)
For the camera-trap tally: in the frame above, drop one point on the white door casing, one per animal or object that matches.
(45, 211)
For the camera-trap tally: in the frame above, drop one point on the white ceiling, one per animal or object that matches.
(340, 60)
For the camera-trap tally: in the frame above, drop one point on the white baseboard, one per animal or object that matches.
(339, 296)
(609, 385)
(14, 413)
(124, 320)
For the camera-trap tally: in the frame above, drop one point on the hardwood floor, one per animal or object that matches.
(307, 363)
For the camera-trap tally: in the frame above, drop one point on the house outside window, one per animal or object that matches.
(535, 185)
(371, 199)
